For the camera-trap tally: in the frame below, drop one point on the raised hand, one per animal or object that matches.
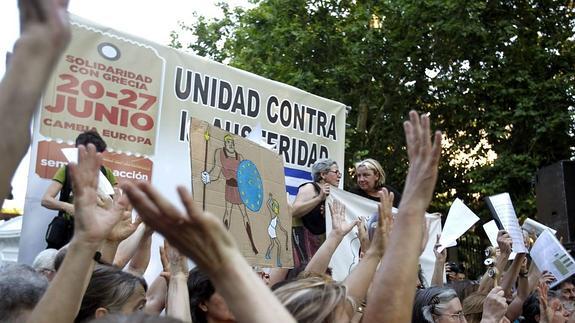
(495, 305)
(125, 227)
(504, 242)
(363, 234)
(44, 23)
(423, 161)
(546, 312)
(392, 301)
(384, 222)
(200, 236)
(91, 223)
(325, 190)
(338, 223)
(439, 256)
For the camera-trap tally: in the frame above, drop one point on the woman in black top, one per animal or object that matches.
(370, 179)
(308, 210)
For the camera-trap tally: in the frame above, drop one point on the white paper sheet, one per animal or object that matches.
(548, 254)
(492, 230)
(104, 186)
(533, 226)
(505, 212)
(459, 219)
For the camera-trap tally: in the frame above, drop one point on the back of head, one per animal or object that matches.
(428, 301)
(21, 287)
(313, 300)
(473, 307)
(138, 317)
(109, 288)
(321, 166)
(91, 137)
(464, 288)
(200, 289)
(531, 309)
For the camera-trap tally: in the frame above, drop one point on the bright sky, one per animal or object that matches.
(149, 19)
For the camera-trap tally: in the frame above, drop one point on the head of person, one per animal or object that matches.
(91, 137)
(21, 288)
(112, 290)
(369, 175)
(566, 291)
(206, 305)
(532, 312)
(326, 171)
(473, 307)
(229, 143)
(315, 299)
(44, 263)
(437, 305)
(452, 271)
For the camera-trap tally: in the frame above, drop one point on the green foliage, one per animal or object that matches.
(496, 76)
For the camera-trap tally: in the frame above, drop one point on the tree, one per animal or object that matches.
(497, 77)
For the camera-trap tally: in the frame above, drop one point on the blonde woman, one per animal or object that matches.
(370, 179)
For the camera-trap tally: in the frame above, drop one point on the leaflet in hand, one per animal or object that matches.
(459, 219)
(504, 214)
(548, 254)
(104, 186)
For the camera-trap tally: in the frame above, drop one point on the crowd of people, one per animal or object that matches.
(97, 275)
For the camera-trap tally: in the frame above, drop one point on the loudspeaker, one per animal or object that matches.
(555, 195)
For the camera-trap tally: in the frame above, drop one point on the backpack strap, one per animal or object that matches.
(67, 186)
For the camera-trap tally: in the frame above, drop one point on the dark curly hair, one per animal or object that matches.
(91, 137)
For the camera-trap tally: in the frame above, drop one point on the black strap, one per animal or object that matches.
(67, 187)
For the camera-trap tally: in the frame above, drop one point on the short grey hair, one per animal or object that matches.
(428, 301)
(21, 288)
(321, 166)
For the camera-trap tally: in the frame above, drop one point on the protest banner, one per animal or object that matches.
(140, 95)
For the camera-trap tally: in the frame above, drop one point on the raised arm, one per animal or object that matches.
(178, 304)
(45, 33)
(391, 298)
(92, 225)
(50, 201)
(339, 228)
(439, 267)
(307, 199)
(203, 238)
(360, 278)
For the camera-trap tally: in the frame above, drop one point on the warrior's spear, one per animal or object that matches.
(207, 138)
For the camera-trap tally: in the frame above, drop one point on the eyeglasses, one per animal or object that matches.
(337, 172)
(457, 316)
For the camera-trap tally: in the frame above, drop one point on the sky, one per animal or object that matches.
(149, 19)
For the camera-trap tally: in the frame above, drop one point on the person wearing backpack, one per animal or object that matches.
(61, 228)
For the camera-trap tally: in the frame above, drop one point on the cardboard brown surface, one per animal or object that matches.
(221, 154)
